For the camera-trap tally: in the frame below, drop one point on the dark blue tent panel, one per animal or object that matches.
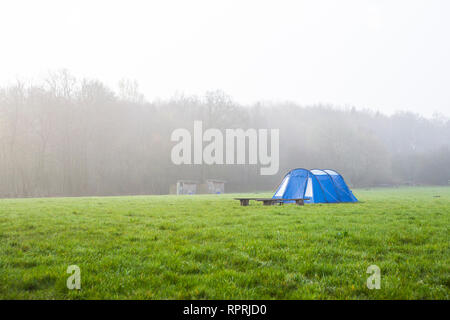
(320, 186)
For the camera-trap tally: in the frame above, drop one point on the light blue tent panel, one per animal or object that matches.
(319, 186)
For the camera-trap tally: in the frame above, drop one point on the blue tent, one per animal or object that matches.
(320, 186)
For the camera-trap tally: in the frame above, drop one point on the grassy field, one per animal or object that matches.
(209, 247)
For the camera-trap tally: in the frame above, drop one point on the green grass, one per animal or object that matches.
(209, 247)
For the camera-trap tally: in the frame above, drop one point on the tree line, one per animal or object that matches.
(78, 137)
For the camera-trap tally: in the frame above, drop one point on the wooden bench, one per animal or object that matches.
(271, 201)
(245, 201)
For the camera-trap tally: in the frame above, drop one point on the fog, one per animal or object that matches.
(383, 55)
(91, 91)
(74, 137)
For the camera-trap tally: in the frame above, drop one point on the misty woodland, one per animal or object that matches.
(70, 137)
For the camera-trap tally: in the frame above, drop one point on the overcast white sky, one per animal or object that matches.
(384, 55)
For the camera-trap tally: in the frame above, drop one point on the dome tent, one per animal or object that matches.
(320, 186)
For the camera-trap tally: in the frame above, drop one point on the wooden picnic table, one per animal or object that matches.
(271, 201)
